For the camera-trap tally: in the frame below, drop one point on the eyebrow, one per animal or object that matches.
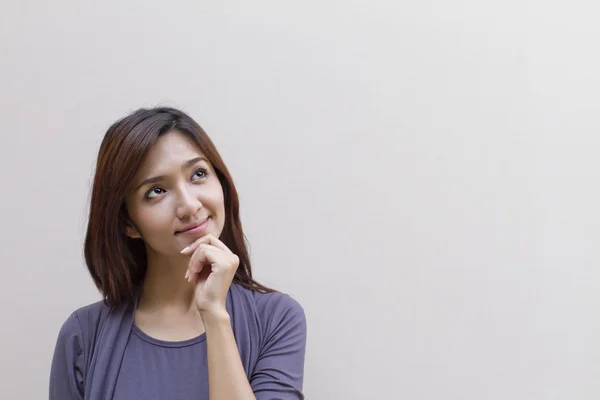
(158, 178)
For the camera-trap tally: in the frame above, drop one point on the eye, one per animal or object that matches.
(200, 173)
(153, 192)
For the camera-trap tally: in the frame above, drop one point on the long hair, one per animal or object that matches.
(116, 262)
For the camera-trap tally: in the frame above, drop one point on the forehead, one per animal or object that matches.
(170, 150)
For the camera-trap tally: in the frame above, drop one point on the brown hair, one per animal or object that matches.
(116, 262)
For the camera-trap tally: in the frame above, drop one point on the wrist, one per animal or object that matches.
(215, 315)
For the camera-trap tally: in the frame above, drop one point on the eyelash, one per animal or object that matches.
(203, 170)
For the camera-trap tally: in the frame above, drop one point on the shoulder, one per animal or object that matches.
(93, 315)
(85, 321)
(278, 305)
(266, 303)
(273, 309)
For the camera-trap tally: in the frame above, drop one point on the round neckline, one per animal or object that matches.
(164, 343)
(158, 342)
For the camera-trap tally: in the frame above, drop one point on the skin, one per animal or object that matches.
(188, 274)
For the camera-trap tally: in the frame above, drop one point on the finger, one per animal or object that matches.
(194, 245)
(194, 272)
(195, 268)
(214, 241)
(205, 256)
(196, 264)
(218, 259)
(209, 238)
(199, 276)
(197, 261)
(212, 254)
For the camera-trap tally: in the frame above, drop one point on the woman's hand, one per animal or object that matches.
(211, 268)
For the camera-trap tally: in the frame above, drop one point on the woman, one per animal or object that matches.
(182, 317)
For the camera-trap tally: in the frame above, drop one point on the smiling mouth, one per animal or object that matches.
(196, 228)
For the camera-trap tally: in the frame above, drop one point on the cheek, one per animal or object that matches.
(212, 196)
(153, 221)
(215, 201)
(219, 203)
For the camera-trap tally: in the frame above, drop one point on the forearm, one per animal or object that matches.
(226, 376)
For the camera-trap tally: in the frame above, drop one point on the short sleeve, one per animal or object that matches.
(279, 372)
(68, 362)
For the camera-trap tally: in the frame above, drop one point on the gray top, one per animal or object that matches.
(101, 354)
(156, 369)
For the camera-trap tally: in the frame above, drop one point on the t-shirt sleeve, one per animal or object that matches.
(68, 363)
(279, 372)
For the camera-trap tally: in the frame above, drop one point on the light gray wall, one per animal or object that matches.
(421, 176)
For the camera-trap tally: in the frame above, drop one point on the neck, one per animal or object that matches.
(164, 286)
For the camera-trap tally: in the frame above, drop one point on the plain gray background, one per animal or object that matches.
(422, 176)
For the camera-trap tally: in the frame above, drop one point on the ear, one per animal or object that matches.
(131, 231)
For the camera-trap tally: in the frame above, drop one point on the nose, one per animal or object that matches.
(188, 204)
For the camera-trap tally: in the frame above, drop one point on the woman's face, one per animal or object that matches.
(176, 196)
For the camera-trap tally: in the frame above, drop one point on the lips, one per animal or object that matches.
(196, 227)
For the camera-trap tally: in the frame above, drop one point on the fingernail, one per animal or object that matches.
(187, 274)
(184, 250)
